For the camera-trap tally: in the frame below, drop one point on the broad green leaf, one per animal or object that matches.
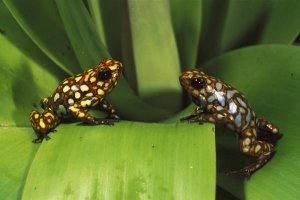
(269, 76)
(186, 18)
(108, 19)
(81, 31)
(232, 24)
(40, 20)
(14, 33)
(90, 51)
(155, 54)
(23, 82)
(17, 153)
(128, 161)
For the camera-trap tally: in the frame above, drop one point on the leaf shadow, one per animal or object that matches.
(24, 93)
(229, 158)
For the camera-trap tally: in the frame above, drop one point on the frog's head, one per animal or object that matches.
(198, 84)
(107, 72)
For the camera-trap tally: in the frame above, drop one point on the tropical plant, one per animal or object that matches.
(149, 154)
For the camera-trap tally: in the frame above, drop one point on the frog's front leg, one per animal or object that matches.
(268, 131)
(80, 111)
(108, 108)
(194, 116)
(249, 145)
(43, 123)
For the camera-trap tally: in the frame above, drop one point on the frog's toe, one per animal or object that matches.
(243, 173)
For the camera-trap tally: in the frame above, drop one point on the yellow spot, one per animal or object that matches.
(81, 114)
(106, 84)
(66, 89)
(92, 80)
(104, 106)
(49, 120)
(100, 92)
(73, 109)
(65, 82)
(247, 141)
(100, 83)
(36, 116)
(77, 95)
(49, 115)
(78, 78)
(248, 133)
(42, 124)
(257, 148)
(89, 94)
(113, 67)
(84, 88)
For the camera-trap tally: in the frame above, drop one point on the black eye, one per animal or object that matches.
(198, 82)
(104, 74)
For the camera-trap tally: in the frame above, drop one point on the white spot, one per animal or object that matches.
(71, 102)
(220, 97)
(84, 88)
(232, 107)
(275, 130)
(74, 88)
(242, 102)
(211, 98)
(248, 117)
(247, 141)
(218, 86)
(257, 148)
(219, 116)
(237, 120)
(77, 95)
(208, 88)
(89, 94)
(230, 93)
(219, 108)
(56, 96)
(66, 89)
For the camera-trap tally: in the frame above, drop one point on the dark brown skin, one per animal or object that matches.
(218, 102)
(75, 96)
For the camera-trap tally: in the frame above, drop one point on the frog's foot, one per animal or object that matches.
(247, 171)
(43, 123)
(268, 131)
(40, 138)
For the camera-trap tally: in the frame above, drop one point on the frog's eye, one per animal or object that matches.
(104, 74)
(198, 82)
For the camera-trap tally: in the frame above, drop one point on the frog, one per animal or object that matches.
(75, 96)
(219, 103)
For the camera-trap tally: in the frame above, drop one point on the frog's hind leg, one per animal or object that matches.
(249, 145)
(43, 123)
(268, 131)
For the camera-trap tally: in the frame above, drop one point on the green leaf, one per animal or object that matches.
(186, 18)
(269, 76)
(232, 24)
(40, 20)
(79, 26)
(17, 153)
(128, 161)
(155, 54)
(14, 33)
(108, 19)
(22, 84)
